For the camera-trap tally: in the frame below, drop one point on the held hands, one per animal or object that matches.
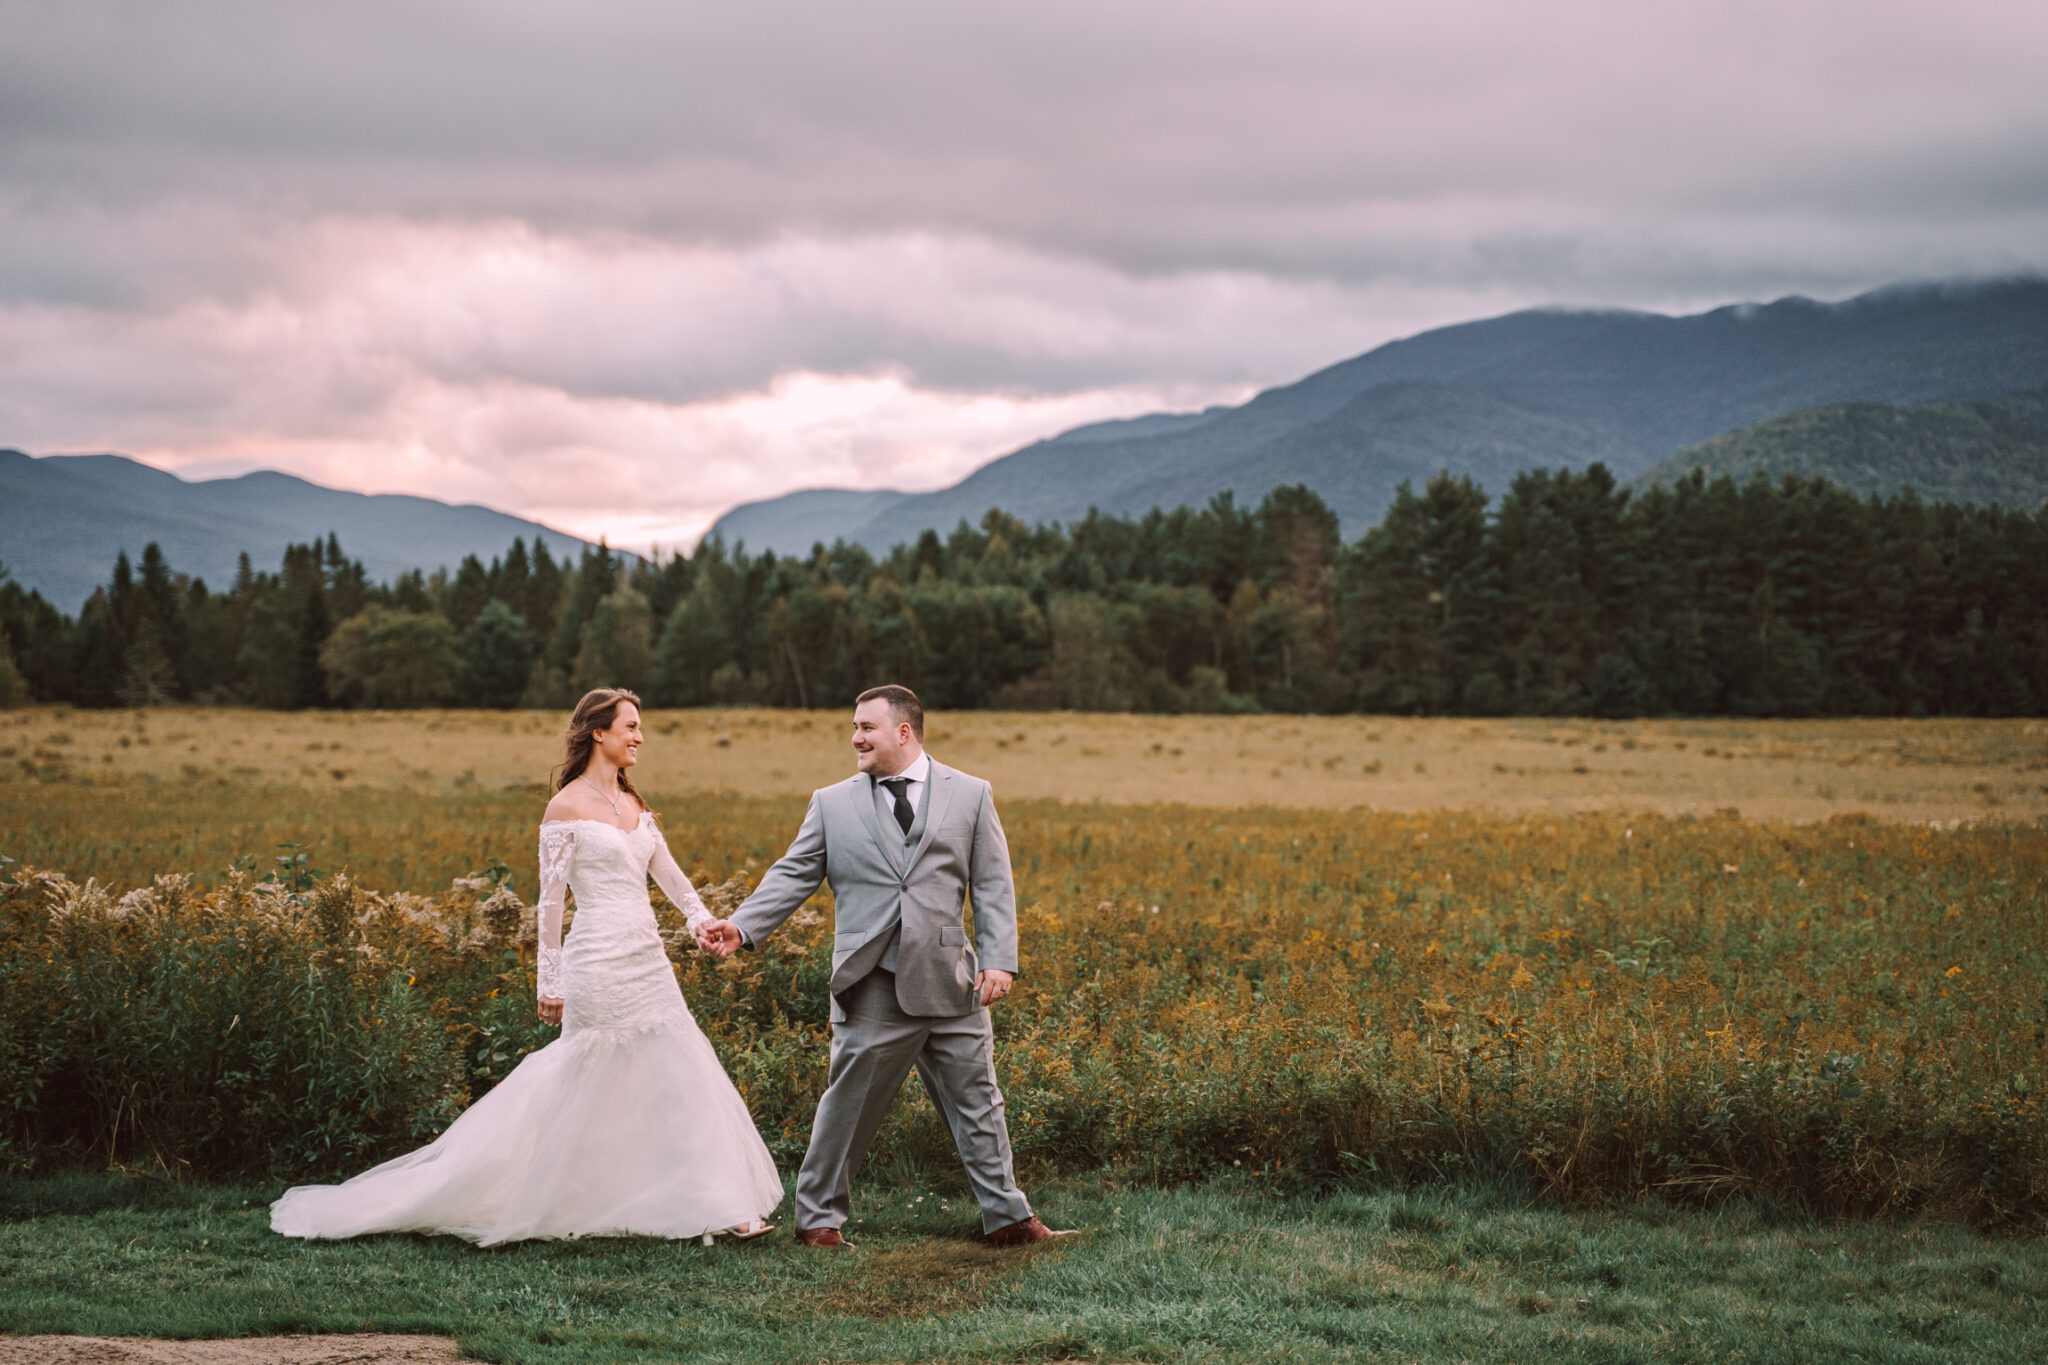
(719, 937)
(993, 985)
(550, 1011)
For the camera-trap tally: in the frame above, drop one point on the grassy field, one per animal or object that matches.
(1678, 1016)
(1219, 1273)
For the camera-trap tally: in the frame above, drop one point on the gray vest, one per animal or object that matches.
(880, 951)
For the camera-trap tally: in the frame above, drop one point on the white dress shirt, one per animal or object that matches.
(919, 773)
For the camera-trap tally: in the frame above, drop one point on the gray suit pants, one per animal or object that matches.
(872, 1053)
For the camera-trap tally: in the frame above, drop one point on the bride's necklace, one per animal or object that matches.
(609, 799)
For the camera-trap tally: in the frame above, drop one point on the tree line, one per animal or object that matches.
(1571, 596)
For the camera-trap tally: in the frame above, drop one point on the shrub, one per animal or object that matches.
(617, 644)
(383, 656)
(261, 1027)
(1843, 1014)
(13, 687)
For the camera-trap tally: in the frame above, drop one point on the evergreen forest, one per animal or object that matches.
(1570, 595)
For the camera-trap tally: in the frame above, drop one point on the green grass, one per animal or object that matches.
(1222, 1272)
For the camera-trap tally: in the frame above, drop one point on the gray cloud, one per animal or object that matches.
(1303, 139)
(235, 227)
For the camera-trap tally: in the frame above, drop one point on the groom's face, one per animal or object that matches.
(882, 746)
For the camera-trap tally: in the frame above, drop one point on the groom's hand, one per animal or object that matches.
(720, 938)
(993, 985)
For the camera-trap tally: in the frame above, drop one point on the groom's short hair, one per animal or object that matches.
(904, 706)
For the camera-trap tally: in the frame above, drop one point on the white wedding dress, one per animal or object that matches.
(625, 1124)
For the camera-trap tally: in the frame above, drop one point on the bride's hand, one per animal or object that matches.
(720, 938)
(550, 1011)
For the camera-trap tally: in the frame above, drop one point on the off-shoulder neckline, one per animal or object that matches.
(645, 816)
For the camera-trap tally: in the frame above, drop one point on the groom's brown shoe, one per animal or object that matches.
(828, 1238)
(1025, 1233)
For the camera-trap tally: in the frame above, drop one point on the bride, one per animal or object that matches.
(626, 1123)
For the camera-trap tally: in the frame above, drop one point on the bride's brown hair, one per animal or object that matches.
(598, 709)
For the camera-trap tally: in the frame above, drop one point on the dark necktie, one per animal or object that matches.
(904, 814)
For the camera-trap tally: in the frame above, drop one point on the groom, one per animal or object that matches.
(902, 842)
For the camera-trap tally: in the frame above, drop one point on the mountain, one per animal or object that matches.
(1992, 452)
(785, 521)
(63, 518)
(1550, 387)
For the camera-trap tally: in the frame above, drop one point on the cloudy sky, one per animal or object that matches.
(619, 266)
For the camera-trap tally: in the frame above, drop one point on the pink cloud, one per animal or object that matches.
(622, 267)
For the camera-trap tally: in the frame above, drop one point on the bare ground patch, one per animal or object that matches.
(369, 1348)
(940, 1275)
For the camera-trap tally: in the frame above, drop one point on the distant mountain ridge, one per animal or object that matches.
(63, 519)
(1992, 452)
(1547, 387)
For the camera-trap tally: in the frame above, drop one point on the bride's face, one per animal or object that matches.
(620, 742)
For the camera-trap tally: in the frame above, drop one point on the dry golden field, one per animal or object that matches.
(1778, 771)
(1692, 958)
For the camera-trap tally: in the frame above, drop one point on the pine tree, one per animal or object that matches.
(497, 653)
(512, 580)
(1704, 597)
(103, 630)
(304, 610)
(156, 636)
(467, 593)
(544, 595)
(1421, 600)
(345, 584)
(1558, 561)
(595, 579)
(40, 640)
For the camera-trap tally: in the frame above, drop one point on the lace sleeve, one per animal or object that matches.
(557, 845)
(675, 885)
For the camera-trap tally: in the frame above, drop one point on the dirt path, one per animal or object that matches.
(366, 1349)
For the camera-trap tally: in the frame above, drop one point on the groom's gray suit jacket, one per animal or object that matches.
(899, 897)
